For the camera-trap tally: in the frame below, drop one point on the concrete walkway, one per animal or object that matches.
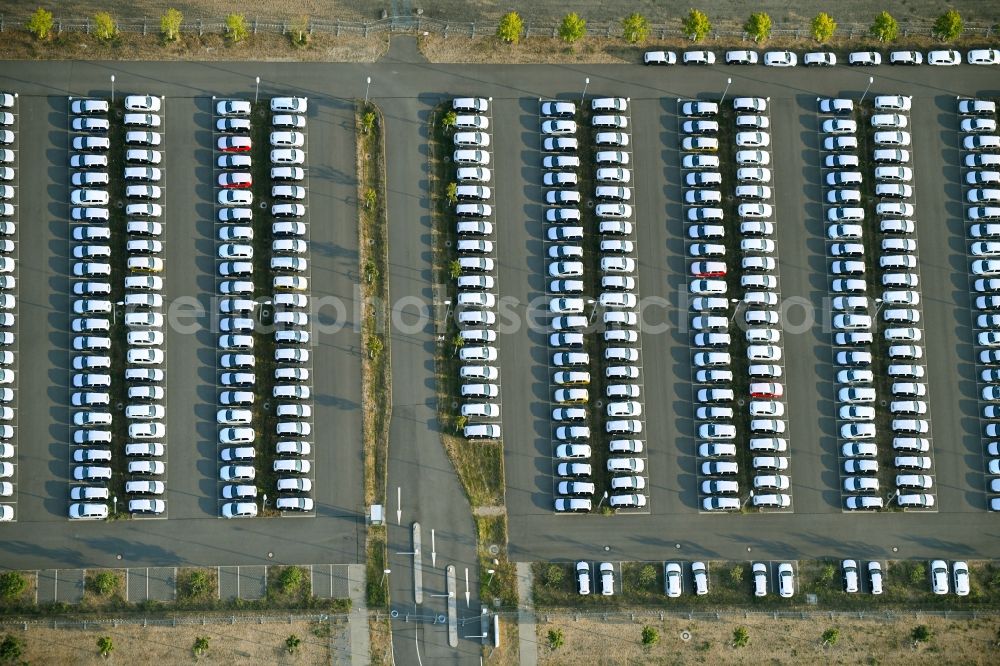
(358, 620)
(527, 644)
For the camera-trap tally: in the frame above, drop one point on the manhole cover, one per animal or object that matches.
(447, 159)
(599, 403)
(120, 406)
(494, 549)
(119, 204)
(447, 243)
(590, 203)
(262, 204)
(741, 402)
(454, 404)
(685, 636)
(267, 405)
(394, 613)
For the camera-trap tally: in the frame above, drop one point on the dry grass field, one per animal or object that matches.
(785, 641)
(229, 644)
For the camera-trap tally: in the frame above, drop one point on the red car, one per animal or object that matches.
(238, 180)
(772, 390)
(234, 144)
(706, 269)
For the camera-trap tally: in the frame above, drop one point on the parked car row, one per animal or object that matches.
(959, 581)
(289, 307)
(617, 302)
(8, 301)
(95, 310)
(714, 311)
(940, 57)
(605, 576)
(477, 292)
(981, 186)
(855, 325)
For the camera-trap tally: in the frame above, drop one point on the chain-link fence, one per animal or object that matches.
(421, 24)
(175, 621)
(645, 614)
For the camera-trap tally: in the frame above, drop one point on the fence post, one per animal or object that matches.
(143, 26)
(336, 29)
(366, 28)
(473, 26)
(255, 26)
(200, 28)
(527, 29)
(1, 22)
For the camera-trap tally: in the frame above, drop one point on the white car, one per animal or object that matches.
(944, 58)
(780, 59)
(983, 57)
(939, 577)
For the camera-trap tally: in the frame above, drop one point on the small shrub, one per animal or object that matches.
(556, 639)
(736, 574)
(448, 120)
(510, 28)
(758, 26)
(647, 576)
(375, 347)
(831, 636)
(105, 645)
(292, 644)
(200, 646)
(740, 637)
(650, 636)
(451, 192)
(11, 648)
(554, 575)
(170, 24)
(696, 25)
(949, 26)
(918, 573)
(104, 26)
(921, 633)
(823, 27)
(368, 121)
(291, 579)
(105, 583)
(884, 28)
(40, 24)
(236, 28)
(636, 28)
(12, 585)
(371, 198)
(573, 28)
(827, 573)
(198, 584)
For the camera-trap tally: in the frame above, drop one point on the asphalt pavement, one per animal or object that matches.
(406, 92)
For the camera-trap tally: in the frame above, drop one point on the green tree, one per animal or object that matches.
(647, 576)
(371, 198)
(40, 24)
(510, 28)
(554, 575)
(368, 121)
(292, 644)
(758, 26)
(300, 30)
(451, 192)
(573, 28)
(740, 637)
(105, 645)
(556, 639)
(200, 645)
(949, 26)
(918, 573)
(105, 583)
(460, 422)
(736, 574)
(831, 636)
(884, 28)
(291, 579)
(448, 120)
(457, 343)
(696, 25)
(170, 24)
(636, 28)
(650, 636)
(454, 269)
(921, 633)
(104, 26)
(827, 573)
(11, 648)
(236, 28)
(12, 584)
(823, 27)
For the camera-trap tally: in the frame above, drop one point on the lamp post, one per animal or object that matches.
(265, 501)
(602, 499)
(256, 92)
(586, 82)
(490, 579)
(736, 310)
(593, 313)
(385, 575)
(368, 85)
(114, 502)
(729, 82)
(871, 80)
(112, 88)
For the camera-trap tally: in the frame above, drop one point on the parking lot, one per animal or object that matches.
(816, 527)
